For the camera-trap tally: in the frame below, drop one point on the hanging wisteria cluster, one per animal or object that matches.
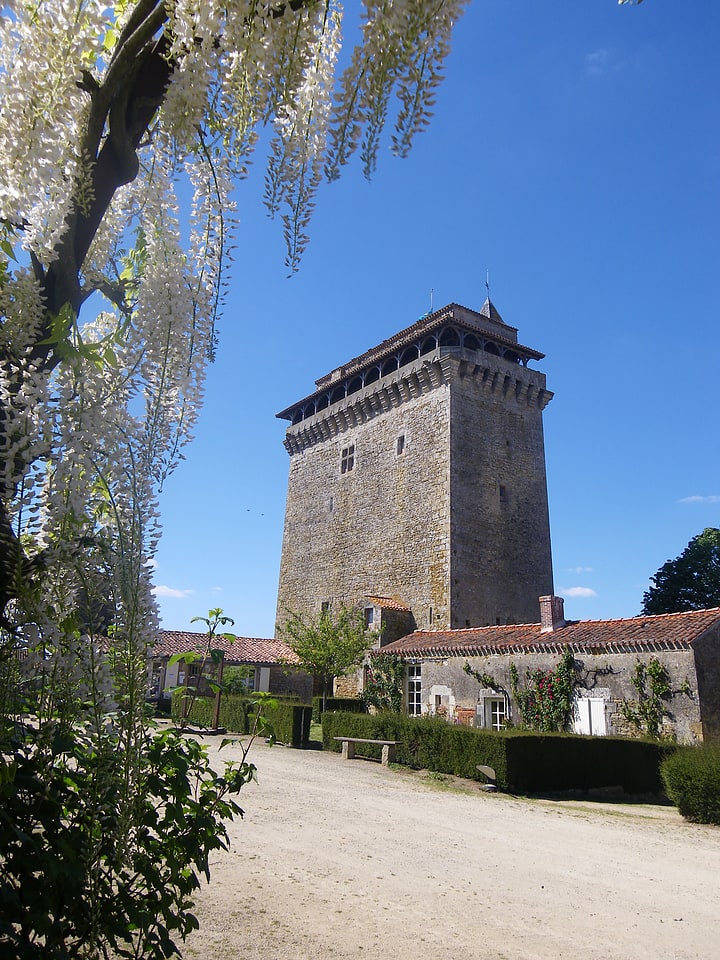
(108, 117)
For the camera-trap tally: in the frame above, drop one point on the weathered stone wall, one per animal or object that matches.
(608, 675)
(291, 682)
(707, 662)
(501, 559)
(395, 624)
(348, 686)
(383, 527)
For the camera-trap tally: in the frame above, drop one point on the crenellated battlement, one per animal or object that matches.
(519, 385)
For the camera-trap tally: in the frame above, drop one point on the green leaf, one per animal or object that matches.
(190, 656)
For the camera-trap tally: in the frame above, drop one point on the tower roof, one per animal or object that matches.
(489, 310)
(487, 324)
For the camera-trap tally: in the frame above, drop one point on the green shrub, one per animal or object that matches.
(524, 761)
(288, 719)
(424, 743)
(349, 704)
(547, 763)
(691, 776)
(77, 878)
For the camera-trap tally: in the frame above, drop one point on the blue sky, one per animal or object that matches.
(575, 155)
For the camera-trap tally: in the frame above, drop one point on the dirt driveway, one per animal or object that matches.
(348, 859)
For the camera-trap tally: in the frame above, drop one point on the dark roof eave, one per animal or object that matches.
(387, 347)
(666, 632)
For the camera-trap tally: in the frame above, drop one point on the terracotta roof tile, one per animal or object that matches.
(389, 603)
(670, 631)
(242, 650)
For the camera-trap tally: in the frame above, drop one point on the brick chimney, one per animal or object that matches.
(552, 614)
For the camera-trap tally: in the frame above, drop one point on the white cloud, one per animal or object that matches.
(713, 498)
(597, 62)
(580, 570)
(163, 591)
(578, 592)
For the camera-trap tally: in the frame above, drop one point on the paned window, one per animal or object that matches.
(492, 713)
(496, 710)
(347, 459)
(414, 689)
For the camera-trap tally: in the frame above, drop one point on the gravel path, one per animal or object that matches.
(348, 859)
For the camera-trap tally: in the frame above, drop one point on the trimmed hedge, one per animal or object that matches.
(524, 761)
(290, 720)
(540, 763)
(691, 776)
(425, 744)
(234, 711)
(349, 704)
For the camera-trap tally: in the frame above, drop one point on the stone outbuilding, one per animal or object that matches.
(605, 653)
(270, 665)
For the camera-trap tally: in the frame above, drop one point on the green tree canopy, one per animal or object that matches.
(328, 645)
(690, 581)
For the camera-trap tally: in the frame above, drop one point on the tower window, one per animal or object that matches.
(347, 459)
(400, 444)
(503, 493)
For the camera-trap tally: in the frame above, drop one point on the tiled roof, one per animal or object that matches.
(670, 631)
(389, 603)
(241, 650)
(453, 313)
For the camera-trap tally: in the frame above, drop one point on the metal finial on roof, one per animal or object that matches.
(487, 283)
(422, 317)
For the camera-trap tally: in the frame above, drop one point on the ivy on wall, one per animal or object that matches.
(384, 681)
(654, 693)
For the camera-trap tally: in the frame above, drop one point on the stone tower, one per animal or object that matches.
(417, 477)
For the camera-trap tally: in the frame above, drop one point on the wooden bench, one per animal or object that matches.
(388, 747)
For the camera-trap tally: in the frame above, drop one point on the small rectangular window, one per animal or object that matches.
(400, 444)
(497, 714)
(414, 682)
(347, 459)
(491, 713)
(369, 617)
(503, 494)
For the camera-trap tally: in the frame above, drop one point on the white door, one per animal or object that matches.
(590, 717)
